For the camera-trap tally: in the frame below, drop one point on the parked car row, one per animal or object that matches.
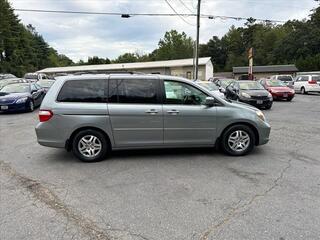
(261, 93)
(22, 94)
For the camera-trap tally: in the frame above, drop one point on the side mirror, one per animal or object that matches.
(209, 101)
(222, 90)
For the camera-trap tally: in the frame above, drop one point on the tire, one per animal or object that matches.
(30, 106)
(90, 146)
(289, 99)
(230, 135)
(303, 91)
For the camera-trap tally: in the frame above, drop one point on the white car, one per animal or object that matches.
(307, 83)
(34, 77)
(211, 87)
(287, 79)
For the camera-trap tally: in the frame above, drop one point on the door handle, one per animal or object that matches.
(173, 111)
(152, 111)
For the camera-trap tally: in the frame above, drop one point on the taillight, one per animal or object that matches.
(312, 81)
(45, 115)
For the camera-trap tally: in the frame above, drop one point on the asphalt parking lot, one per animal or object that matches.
(273, 193)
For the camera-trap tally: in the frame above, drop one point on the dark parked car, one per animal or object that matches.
(250, 92)
(278, 89)
(45, 84)
(20, 97)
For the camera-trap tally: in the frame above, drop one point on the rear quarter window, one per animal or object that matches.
(83, 91)
(133, 91)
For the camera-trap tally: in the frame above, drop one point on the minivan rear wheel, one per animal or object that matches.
(90, 146)
(238, 140)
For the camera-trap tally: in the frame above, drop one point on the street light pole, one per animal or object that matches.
(197, 41)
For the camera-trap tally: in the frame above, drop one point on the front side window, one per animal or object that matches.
(133, 91)
(182, 93)
(83, 91)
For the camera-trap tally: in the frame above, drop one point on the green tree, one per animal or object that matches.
(174, 45)
(97, 60)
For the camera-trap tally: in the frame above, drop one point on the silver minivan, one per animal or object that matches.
(93, 114)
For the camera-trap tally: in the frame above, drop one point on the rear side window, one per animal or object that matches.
(316, 78)
(83, 91)
(133, 91)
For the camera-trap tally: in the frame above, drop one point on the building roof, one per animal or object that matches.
(126, 66)
(265, 69)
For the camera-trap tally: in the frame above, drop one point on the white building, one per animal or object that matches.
(181, 67)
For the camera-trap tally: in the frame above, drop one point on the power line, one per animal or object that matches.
(178, 13)
(102, 13)
(186, 6)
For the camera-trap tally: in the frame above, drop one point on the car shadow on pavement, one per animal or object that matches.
(170, 154)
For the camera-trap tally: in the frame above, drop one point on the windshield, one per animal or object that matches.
(225, 83)
(45, 83)
(209, 85)
(285, 78)
(16, 88)
(6, 76)
(275, 83)
(251, 86)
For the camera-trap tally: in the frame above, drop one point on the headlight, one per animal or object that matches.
(22, 100)
(269, 95)
(261, 115)
(246, 95)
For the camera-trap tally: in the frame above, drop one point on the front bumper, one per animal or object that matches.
(13, 107)
(264, 133)
(257, 102)
(282, 95)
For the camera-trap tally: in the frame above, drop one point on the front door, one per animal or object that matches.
(135, 112)
(186, 119)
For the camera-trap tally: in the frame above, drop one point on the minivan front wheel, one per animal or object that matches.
(238, 140)
(90, 146)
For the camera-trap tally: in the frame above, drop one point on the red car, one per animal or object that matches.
(278, 89)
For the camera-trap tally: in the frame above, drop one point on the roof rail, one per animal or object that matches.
(107, 72)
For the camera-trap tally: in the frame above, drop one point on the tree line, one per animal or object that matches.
(22, 48)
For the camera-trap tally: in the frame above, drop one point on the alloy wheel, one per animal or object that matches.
(239, 141)
(89, 146)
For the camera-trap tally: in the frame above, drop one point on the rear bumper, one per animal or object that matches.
(313, 88)
(47, 136)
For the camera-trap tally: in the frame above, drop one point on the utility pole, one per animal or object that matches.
(196, 69)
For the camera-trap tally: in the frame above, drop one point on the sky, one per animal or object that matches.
(81, 36)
